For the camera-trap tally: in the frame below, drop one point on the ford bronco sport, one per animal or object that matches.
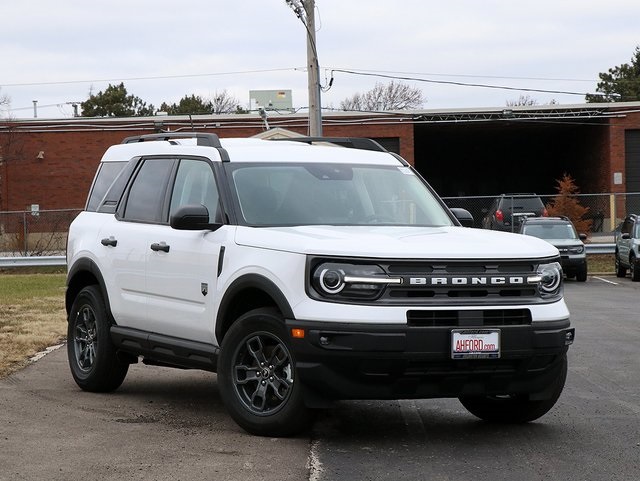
(303, 272)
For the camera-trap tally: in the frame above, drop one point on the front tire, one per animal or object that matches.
(581, 274)
(516, 408)
(93, 360)
(257, 376)
(634, 269)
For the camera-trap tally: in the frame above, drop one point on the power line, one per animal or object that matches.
(432, 74)
(461, 84)
(159, 77)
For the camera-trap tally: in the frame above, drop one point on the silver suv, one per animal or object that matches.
(560, 232)
(628, 248)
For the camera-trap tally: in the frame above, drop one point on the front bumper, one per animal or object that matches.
(356, 361)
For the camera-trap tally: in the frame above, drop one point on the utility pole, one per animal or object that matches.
(305, 11)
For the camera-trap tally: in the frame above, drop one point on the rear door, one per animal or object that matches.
(125, 241)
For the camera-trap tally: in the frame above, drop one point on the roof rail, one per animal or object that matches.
(202, 138)
(349, 142)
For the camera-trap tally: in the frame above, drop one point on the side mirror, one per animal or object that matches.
(626, 236)
(583, 237)
(463, 215)
(192, 217)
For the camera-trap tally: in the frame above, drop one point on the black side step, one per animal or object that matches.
(166, 350)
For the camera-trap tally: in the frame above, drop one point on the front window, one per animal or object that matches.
(551, 231)
(332, 194)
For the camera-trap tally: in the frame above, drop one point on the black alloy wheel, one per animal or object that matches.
(256, 374)
(93, 360)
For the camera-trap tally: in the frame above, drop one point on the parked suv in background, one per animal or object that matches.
(560, 232)
(303, 272)
(628, 248)
(508, 210)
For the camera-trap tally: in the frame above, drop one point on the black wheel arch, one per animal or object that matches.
(85, 272)
(246, 293)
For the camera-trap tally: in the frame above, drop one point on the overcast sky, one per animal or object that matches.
(57, 52)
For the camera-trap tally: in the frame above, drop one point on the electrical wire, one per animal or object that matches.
(461, 84)
(159, 77)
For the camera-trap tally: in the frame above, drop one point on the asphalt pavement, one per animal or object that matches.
(165, 424)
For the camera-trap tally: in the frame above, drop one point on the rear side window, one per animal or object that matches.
(145, 201)
(107, 172)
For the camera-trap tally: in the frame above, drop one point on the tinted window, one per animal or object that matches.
(105, 176)
(550, 231)
(522, 203)
(146, 196)
(195, 185)
(332, 194)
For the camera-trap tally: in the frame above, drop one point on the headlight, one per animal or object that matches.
(576, 250)
(350, 281)
(549, 279)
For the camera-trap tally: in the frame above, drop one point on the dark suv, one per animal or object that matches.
(560, 232)
(508, 210)
(628, 247)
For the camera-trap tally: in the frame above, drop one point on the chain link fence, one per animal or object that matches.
(605, 211)
(35, 233)
(44, 233)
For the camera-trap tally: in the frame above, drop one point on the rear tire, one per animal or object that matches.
(92, 356)
(517, 408)
(257, 376)
(621, 271)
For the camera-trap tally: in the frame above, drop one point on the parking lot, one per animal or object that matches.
(168, 424)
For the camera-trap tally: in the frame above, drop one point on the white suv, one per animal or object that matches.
(304, 272)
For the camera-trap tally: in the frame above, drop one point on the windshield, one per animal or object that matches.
(551, 231)
(332, 194)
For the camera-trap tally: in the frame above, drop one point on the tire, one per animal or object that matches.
(621, 271)
(634, 268)
(256, 376)
(581, 274)
(92, 357)
(515, 409)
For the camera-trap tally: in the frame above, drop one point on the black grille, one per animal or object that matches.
(468, 282)
(469, 318)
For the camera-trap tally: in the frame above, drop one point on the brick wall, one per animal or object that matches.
(70, 153)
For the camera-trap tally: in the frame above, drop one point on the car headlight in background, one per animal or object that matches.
(350, 281)
(576, 250)
(549, 279)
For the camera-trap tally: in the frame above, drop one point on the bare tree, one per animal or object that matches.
(391, 96)
(527, 100)
(224, 103)
(523, 100)
(5, 101)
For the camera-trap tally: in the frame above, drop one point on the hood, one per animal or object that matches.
(449, 242)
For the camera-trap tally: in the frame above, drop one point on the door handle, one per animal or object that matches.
(110, 241)
(162, 246)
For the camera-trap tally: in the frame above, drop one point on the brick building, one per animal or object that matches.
(50, 163)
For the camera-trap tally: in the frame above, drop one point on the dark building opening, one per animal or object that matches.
(477, 158)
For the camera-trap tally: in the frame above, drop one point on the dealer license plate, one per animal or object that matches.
(475, 344)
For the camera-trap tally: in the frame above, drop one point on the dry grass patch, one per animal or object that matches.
(32, 317)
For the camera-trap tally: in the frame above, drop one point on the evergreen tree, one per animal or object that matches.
(566, 204)
(115, 102)
(619, 84)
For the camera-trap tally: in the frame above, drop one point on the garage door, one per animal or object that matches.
(632, 169)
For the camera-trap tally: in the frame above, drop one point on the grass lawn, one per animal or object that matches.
(32, 316)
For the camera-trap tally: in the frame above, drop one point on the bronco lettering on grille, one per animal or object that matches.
(467, 281)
